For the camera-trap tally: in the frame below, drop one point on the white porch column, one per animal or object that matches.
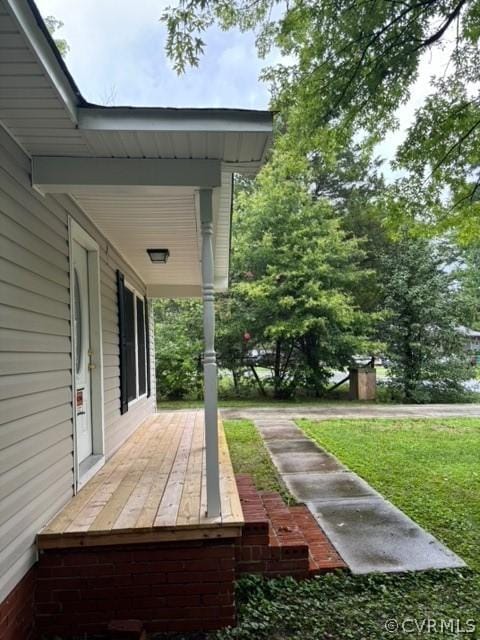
(209, 357)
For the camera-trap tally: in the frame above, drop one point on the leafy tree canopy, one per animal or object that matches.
(178, 348)
(349, 66)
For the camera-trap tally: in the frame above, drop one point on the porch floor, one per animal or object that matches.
(152, 489)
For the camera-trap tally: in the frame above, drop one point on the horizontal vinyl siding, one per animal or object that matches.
(36, 429)
(35, 377)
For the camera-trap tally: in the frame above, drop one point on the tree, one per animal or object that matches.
(232, 324)
(469, 281)
(178, 348)
(424, 306)
(354, 187)
(295, 270)
(350, 66)
(54, 25)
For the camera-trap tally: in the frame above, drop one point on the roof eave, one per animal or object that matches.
(95, 118)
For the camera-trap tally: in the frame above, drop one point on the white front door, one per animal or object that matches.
(83, 352)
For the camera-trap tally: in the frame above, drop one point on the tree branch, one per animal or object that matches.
(452, 148)
(449, 19)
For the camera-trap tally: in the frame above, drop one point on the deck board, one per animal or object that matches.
(153, 488)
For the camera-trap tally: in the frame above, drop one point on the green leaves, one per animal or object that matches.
(348, 67)
(425, 308)
(337, 606)
(178, 348)
(187, 22)
(305, 269)
(184, 24)
(53, 25)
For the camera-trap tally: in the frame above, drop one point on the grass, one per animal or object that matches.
(255, 402)
(249, 456)
(430, 469)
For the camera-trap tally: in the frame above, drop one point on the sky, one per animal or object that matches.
(117, 57)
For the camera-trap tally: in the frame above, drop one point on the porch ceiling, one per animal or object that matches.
(134, 220)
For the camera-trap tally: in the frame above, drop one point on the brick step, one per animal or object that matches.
(286, 538)
(279, 540)
(323, 556)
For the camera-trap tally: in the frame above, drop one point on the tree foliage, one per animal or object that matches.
(424, 308)
(178, 348)
(354, 188)
(310, 275)
(295, 276)
(469, 281)
(54, 25)
(296, 271)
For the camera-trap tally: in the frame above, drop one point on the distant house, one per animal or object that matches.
(472, 339)
(102, 209)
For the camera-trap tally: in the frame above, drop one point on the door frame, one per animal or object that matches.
(97, 459)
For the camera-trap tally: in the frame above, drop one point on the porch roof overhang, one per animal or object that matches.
(135, 172)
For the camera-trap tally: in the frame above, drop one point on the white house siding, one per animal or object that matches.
(36, 443)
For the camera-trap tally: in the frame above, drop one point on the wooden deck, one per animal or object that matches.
(152, 489)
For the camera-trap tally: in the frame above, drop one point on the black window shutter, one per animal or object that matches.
(147, 339)
(122, 343)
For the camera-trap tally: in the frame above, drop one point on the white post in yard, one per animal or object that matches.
(209, 356)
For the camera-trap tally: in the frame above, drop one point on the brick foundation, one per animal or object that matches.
(17, 611)
(168, 586)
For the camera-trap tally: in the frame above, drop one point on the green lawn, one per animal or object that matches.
(258, 401)
(249, 456)
(430, 469)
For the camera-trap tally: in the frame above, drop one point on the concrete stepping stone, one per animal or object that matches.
(371, 535)
(327, 486)
(279, 433)
(301, 445)
(294, 462)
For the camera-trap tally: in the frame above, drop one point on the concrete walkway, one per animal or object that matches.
(356, 410)
(369, 532)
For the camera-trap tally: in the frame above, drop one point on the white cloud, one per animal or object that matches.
(117, 47)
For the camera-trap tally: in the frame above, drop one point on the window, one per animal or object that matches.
(141, 351)
(133, 344)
